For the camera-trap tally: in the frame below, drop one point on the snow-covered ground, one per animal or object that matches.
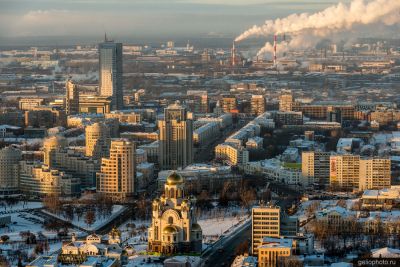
(23, 221)
(213, 228)
(214, 223)
(99, 222)
(20, 206)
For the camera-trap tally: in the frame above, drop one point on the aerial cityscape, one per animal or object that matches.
(199, 133)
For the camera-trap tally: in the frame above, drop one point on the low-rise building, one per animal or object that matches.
(272, 250)
(40, 180)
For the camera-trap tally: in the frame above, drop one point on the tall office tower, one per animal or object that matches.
(257, 105)
(72, 98)
(97, 140)
(344, 171)
(9, 170)
(110, 72)
(315, 167)
(176, 138)
(265, 222)
(50, 146)
(228, 103)
(116, 178)
(374, 173)
(286, 102)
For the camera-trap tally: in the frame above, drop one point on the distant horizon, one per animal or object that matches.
(150, 18)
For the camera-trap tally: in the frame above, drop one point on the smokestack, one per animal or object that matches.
(233, 54)
(275, 50)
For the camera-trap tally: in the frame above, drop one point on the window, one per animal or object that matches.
(170, 220)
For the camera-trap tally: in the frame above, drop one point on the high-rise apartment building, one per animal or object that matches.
(257, 105)
(116, 178)
(345, 171)
(228, 103)
(72, 98)
(176, 138)
(110, 72)
(374, 173)
(315, 167)
(9, 170)
(286, 102)
(98, 140)
(197, 101)
(265, 223)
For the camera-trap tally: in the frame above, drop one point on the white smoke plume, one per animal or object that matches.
(334, 19)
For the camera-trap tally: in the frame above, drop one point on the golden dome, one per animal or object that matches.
(174, 179)
(169, 230)
(196, 227)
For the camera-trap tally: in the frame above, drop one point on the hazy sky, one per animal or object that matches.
(21, 18)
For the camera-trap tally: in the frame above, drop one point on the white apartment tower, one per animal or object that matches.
(9, 170)
(265, 223)
(116, 178)
(374, 173)
(97, 137)
(315, 167)
(176, 138)
(345, 171)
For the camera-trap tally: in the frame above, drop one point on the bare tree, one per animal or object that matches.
(53, 203)
(291, 261)
(90, 217)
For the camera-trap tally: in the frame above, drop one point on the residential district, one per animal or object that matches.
(173, 154)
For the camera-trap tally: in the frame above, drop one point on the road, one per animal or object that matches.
(225, 258)
(206, 153)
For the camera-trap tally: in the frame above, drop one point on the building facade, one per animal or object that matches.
(117, 175)
(265, 223)
(257, 105)
(344, 171)
(374, 173)
(9, 169)
(97, 138)
(315, 167)
(175, 139)
(110, 72)
(71, 98)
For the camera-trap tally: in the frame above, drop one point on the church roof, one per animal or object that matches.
(174, 179)
(196, 227)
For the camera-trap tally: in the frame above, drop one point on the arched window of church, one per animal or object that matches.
(170, 220)
(171, 193)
